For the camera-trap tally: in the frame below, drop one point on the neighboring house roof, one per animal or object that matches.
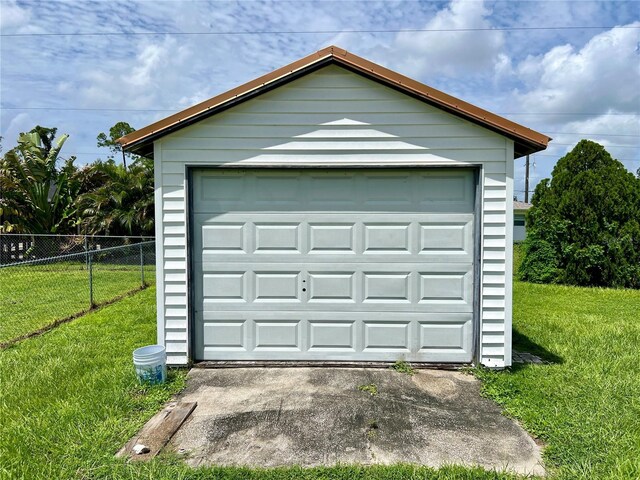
(526, 140)
(521, 206)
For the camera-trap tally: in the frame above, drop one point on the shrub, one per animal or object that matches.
(584, 226)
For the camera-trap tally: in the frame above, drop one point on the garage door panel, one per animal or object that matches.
(225, 286)
(277, 237)
(388, 336)
(224, 237)
(332, 336)
(230, 238)
(225, 334)
(453, 238)
(276, 287)
(442, 287)
(449, 191)
(387, 191)
(328, 287)
(337, 336)
(344, 217)
(454, 192)
(445, 332)
(269, 190)
(331, 238)
(211, 259)
(334, 265)
(277, 335)
(387, 287)
(384, 238)
(450, 287)
(209, 305)
(219, 189)
(336, 192)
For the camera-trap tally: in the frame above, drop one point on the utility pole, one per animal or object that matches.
(124, 160)
(526, 180)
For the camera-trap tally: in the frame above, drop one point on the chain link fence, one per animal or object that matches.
(47, 279)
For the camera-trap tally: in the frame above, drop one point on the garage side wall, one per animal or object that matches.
(334, 117)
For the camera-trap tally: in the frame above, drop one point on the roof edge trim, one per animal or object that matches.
(527, 140)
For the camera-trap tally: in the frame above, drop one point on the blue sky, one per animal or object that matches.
(569, 83)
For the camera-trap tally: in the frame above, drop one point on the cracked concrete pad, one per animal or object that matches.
(267, 417)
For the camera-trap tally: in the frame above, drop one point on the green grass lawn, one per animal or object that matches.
(69, 398)
(35, 296)
(69, 401)
(586, 406)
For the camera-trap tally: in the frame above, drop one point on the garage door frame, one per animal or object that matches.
(477, 170)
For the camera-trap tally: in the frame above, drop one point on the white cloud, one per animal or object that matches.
(517, 71)
(603, 76)
(451, 53)
(147, 61)
(140, 81)
(20, 123)
(624, 128)
(13, 15)
(619, 134)
(503, 67)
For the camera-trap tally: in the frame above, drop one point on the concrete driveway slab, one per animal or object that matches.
(267, 417)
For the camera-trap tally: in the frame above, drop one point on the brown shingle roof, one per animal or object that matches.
(526, 140)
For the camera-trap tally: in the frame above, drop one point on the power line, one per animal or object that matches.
(594, 133)
(70, 109)
(567, 113)
(610, 145)
(314, 32)
(632, 160)
(91, 153)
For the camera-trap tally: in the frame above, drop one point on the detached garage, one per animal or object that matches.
(334, 210)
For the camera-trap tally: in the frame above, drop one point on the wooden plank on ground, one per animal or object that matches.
(158, 431)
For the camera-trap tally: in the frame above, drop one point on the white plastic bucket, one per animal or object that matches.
(151, 364)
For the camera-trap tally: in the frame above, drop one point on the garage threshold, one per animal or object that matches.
(324, 364)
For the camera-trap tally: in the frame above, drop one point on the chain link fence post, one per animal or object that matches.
(90, 265)
(142, 284)
(86, 249)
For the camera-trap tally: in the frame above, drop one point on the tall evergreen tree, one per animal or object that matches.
(584, 226)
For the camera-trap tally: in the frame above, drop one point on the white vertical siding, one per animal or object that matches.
(494, 265)
(333, 116)
(157, 173)
(508, 313)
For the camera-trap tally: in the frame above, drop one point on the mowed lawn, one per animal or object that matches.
(35, 296)
(69, 398)
(586, 405)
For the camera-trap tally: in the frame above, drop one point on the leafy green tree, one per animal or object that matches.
(120, 129)
(37, 194)
(123, 201)
(584, 226)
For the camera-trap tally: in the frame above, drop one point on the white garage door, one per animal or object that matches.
(333, 264)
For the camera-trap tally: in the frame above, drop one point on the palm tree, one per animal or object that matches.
(123, 204)
(37, 196)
